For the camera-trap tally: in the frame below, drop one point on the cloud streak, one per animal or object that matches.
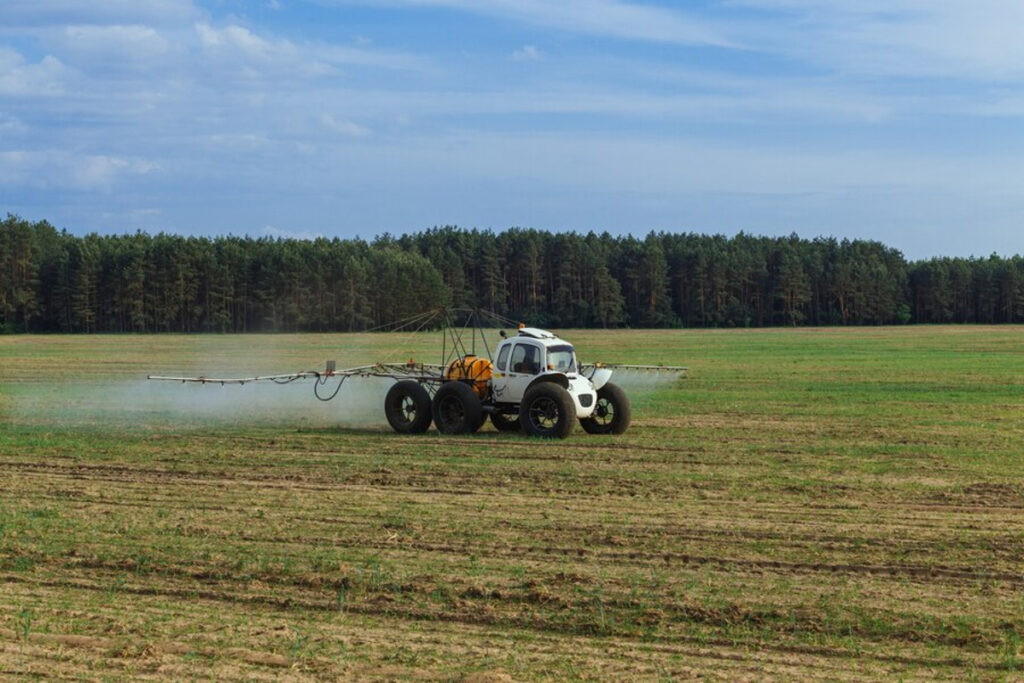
(56, 169)
(609, 18)
(908, 38)
(28, 14)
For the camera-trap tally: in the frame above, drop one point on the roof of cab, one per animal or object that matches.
(536, 333)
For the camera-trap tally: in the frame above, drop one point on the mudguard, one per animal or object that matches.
(558, 378)
(600, 377)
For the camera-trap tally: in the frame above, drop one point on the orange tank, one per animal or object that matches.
(473, 368)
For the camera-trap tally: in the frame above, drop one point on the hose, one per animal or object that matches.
(320, 381)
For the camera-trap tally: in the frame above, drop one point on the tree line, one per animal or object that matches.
(52, 281)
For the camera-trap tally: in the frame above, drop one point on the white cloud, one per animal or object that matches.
(612, 18)
(241, 40)
(118, 48)
(527, 53)
(18, 78)
(11, 126)
(61, 169)
(362, 56)
(34, 13)
(95, 171)
(980, 39)
(751, 102)
(344, 127)
(271, 231)
(239, 46)
(998, 104)
(244, 142)
(235, 57)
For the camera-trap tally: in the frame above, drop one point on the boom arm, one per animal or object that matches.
(396, 371)
(680, 370)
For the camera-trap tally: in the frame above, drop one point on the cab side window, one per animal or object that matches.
(503, 357)
(525, 359)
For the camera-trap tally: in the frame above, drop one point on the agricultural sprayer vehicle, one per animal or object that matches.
(532, 382)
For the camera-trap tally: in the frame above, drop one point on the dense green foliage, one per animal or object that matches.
(52, 281)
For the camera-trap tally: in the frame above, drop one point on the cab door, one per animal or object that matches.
(521, 366)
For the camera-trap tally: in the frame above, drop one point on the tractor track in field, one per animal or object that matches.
(802, 536)
(519, 445)
(919, 573)
(1004, 498)
(620, 535)
(706, 654)
(601, 551)
(924, 573)
(607, 534)
(477, 609)
(793, 527)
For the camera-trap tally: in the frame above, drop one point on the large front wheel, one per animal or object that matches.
(547, 410)
(457, 409)
(611, 414)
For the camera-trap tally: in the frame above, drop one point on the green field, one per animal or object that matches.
(807, 504)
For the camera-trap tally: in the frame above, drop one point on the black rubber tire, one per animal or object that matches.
(547, 411)
(407, 407)
(612, 413)
(506, 422)
(479, 423)
(457, 409)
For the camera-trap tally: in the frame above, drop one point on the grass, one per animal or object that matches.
(820, 503)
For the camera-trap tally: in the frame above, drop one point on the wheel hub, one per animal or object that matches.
(544, 413)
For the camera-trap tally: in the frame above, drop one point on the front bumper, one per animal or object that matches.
(583, 395)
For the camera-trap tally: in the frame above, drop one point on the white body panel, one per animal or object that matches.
(522, 360)
(600, 377)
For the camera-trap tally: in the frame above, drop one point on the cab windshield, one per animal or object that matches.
(562, 358)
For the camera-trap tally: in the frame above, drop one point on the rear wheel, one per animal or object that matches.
(611, 414)
(457, 409)
(547, 411)
(407, 407)
(505, 422)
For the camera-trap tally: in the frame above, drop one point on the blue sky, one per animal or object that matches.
(900, 121)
